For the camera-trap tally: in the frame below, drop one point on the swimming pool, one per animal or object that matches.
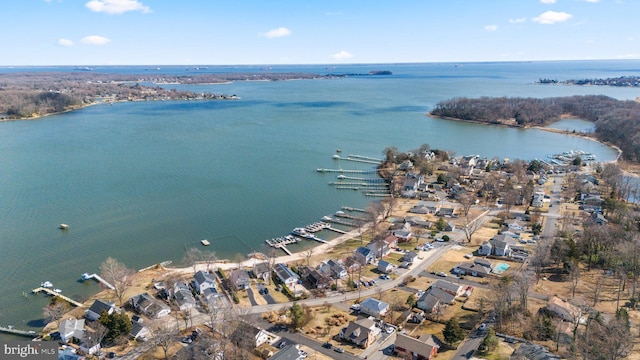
(500, 268)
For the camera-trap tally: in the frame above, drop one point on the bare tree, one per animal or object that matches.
(118, 275)
(467, 200)
(164, 337)
(192, 256)
(470, 226)
(55, 310)
(308, 253)
(210, 257)
(574, 277)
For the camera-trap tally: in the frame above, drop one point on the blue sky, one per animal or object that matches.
(162, 32)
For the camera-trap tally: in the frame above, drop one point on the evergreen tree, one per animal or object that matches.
(452, 332)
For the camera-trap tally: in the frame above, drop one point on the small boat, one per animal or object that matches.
(85, 276)
(299, 232)
(57, 290)
(63, 227)
(46, 284)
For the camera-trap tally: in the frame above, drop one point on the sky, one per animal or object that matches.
(239, 32)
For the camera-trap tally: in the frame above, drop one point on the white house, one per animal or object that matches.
(71, 328)
(564, 309)
(374, 307)
(202, 280)
(285, 275)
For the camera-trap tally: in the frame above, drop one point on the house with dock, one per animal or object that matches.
(96, 309)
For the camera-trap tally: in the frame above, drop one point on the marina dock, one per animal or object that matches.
(338, 221)
(11, 330)
(348, 208)
(51, 292)
(370, 171)
(361, 159)
(282, 242)
(97, 277)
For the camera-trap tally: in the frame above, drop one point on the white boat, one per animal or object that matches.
(299, 232)
(46, 284)
(57, 290)
(86, 276)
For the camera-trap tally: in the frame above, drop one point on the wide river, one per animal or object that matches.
(143, 181)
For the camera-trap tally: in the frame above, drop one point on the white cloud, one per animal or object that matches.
(548, 1)
(518, 20)
(276, 33)
(342, 55)
(65, 42)
(552, 17)
(94, 40)
(116, 6)
(592, 1)
(491, 27)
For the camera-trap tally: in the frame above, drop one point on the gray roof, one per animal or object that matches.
(100, 305)
(374, 304)
(202, 277)
(283, 272)
(289, 352)
(446, 286)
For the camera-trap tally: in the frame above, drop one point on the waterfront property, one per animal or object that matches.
(97, 307)
(285, 275)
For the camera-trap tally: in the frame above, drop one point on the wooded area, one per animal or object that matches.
(616, 121)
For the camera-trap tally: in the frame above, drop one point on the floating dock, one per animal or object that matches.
(282, 242)
(51, 292)
(97, 277)
(205, 242)
(63, 227)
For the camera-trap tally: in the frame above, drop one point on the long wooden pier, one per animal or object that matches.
(336, 230)
(348, 208)
(97, 277)
(357, 158)
(11, 330)
(51, 292)
(370, 171)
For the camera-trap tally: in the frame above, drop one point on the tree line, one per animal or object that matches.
(616, 121)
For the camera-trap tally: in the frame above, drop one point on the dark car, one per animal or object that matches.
(111, 355)
(327, 345)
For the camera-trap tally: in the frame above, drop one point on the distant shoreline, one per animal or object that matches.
(552, 130)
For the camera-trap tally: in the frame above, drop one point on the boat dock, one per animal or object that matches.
(316, 226)
(336, 230)
(370, 171)
(51, 292)
(11, 330)
(357, 159)
(353, 209)
(354, 156)
(282, 242)
(347, 216)
(371, 180)
(97, 277)
(338, 221)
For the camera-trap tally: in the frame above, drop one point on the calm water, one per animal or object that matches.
(141, 182)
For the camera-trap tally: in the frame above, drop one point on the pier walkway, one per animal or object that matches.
(11, 330)
(51, 292)
(97, 277)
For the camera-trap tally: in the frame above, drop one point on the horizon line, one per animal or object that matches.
(329, 64)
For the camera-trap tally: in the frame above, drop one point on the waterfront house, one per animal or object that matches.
(239, 279)
(421, 348)
(203, 280)
(374, 307)
(364, 255)
(71, 329)
(96, 309)
(210, 295)
(261, 271)
(362, 332)
(285, 275)
(147, 305)
(385, 266)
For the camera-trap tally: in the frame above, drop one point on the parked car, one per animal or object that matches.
(441, 274)
(327, 345)
(338, 349)
(355, 307)
(482, 327)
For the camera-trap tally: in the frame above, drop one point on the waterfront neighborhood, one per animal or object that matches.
(463, 257)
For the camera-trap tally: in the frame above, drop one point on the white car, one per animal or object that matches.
(441, 274)
(482, 327)
(355, 307)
